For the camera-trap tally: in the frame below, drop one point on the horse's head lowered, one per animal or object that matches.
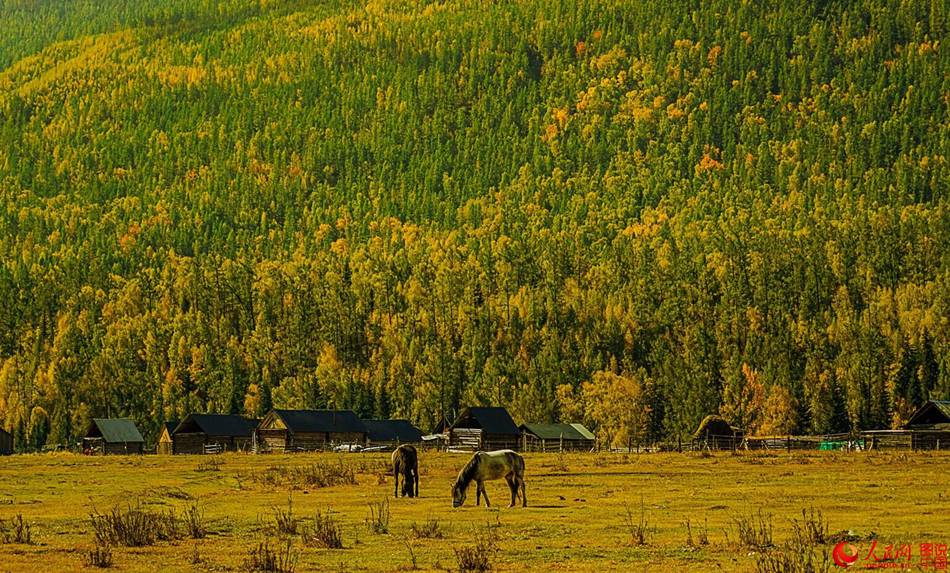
(458, 494)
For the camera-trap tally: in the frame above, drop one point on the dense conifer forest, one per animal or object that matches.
(629, 213)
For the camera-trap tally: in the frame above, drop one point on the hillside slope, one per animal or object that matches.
(636, 213)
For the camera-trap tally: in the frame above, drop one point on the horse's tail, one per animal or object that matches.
(397, 460)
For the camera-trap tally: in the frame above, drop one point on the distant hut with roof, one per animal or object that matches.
(113, 436)
(309, 430)
(213, 433)
(929, 426)
(391, 432)
(933, 415)
(165, 445)
(557, 437)
(485, 428)
(714, 432)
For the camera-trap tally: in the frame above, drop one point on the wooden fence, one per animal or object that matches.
(869, 440)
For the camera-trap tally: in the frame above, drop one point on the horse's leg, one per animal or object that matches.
(407, 481)
(478, 493)
(415, 473)
(524, 499)
(513, 488)
(396, 475)
(485, 494)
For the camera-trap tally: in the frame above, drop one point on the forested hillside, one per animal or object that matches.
(635, 213)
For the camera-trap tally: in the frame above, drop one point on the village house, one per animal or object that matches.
(485, 428)
(308, 430)
(391, 433)
(929, 426)
(213, 433)
(112, 436)
(557, 438)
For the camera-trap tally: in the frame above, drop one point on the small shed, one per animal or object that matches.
(933, 415)
(112, 436)
(716, 433)
(212, 434)
(929, 426)
(6, 443)
(165, 444)
(485, 428)
(557, 437)
(391, 432)
(308, 430)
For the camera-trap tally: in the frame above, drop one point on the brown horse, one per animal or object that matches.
(406, 462)
(491, 465)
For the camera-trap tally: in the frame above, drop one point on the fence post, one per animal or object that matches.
(788, 444)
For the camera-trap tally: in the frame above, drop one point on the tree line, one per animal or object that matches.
(632, 215)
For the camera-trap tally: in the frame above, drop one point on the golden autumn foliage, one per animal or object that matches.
(612, 211)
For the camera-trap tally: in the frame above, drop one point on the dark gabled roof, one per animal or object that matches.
(943, 406)
(115, 430)
(218, 425)
(392, 431)
(931, 413)
(556, 431)
(491, 419)
(321, 421)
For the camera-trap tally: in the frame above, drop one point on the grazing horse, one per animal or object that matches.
(487, 466)
(406, 462)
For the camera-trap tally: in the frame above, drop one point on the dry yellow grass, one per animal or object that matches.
(575, 520)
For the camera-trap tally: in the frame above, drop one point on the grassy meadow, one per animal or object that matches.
(577, 518)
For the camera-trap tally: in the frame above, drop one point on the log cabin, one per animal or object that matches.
(485, 428)
(391, 433)
(308, 430)
(112, 436)
(213, 433)
(557, 438)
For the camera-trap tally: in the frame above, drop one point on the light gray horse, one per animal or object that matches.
(487, 466)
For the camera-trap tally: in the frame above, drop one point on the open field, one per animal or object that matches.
(576, 519)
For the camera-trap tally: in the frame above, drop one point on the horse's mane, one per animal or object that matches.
(468, 472)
